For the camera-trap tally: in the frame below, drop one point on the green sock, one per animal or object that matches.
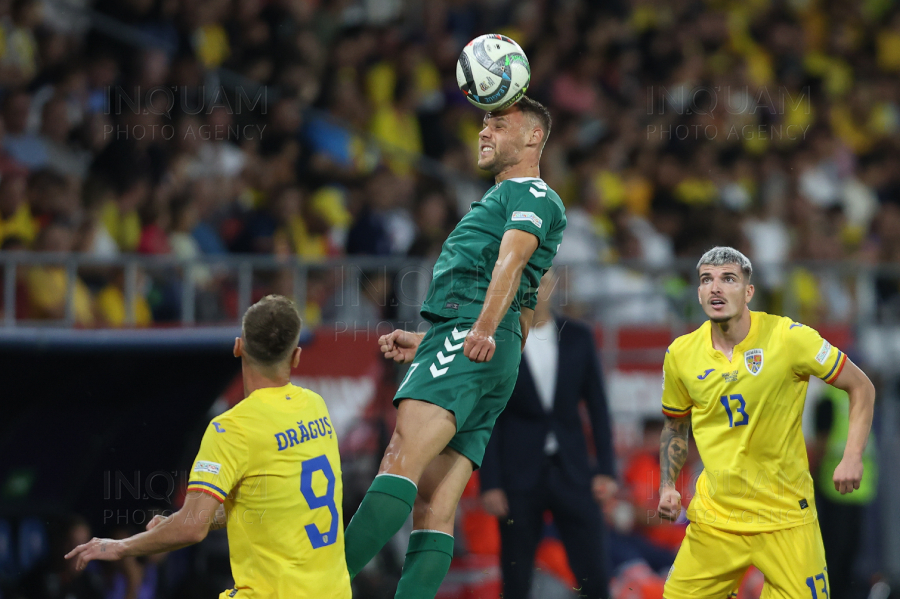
(382, 512)
(427, 562)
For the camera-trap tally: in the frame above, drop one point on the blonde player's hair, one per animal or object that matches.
(720, 256)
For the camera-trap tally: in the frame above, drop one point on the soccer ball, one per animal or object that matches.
(493, 72)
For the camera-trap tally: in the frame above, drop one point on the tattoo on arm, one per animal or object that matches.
(673, 449)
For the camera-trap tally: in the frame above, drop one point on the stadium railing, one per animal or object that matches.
(616, 295)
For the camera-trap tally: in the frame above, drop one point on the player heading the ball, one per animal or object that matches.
(462, 371)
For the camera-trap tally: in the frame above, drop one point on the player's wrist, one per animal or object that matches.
(853, 454)
(484, 327)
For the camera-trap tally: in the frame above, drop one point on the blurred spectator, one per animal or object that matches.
(382, 225)
(23, 145)
(56, 129)
(435, 219)
(47, 285)
(120, 214)
(56, 577)
(16, 219)
(841, 516)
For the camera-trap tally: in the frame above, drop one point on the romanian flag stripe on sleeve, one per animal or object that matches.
(210, 489)
(675, 412)
(837, 368)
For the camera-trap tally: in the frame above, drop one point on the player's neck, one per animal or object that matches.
(726, 335)
(255, 380)
(522, 169)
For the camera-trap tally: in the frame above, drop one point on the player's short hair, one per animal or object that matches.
(537, 111)
(720, 256)
(271, 330)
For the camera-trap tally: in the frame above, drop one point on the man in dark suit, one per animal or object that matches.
(537, 458)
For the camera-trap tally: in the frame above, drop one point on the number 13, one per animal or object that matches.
(726, 401)
(811, 583)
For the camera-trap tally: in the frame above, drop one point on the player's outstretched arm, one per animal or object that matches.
(187, 526)
(400, 346)
(854, 381)
(673, 451)
(516, 249)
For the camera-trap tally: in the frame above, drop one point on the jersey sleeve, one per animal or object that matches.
(529, 209)
(221, 461)
(813, 355)
(676, 403)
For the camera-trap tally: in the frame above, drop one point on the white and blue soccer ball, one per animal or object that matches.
(493, 72)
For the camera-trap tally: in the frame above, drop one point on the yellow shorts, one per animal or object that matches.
(711, 563)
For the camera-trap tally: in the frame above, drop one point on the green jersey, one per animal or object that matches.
(463, 271)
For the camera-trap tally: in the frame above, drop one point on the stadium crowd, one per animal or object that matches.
(769, 126)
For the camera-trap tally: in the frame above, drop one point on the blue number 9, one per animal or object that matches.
(317, 538)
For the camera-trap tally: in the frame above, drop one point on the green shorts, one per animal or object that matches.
(476, 393)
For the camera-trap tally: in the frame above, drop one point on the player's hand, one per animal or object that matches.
(495, 503)
(480, 345)
(400, 346)
(848, 475)
(669, 503)
(96, 549)
(603, 488)
(156, 521)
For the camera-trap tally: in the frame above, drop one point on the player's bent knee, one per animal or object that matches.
(434, 512)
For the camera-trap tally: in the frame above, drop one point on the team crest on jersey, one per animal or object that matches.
(753, 360)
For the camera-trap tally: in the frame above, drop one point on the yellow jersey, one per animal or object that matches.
(746, 416)
(273, 461)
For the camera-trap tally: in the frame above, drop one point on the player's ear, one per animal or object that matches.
(238, 347)
(295, 357)
(537, 136)
(750, 291)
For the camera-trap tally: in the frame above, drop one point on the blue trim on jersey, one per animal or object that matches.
(665, 407)
(210, 485)
(836, 362)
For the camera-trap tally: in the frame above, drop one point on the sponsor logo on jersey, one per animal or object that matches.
(823, 352)
(210, 467)
(219, 428)
(730, 377)
(804, 504)
(531, 217)
(753, 360)
(705, 374)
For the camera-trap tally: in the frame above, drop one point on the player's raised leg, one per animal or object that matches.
(431, 543)
(422, 432)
